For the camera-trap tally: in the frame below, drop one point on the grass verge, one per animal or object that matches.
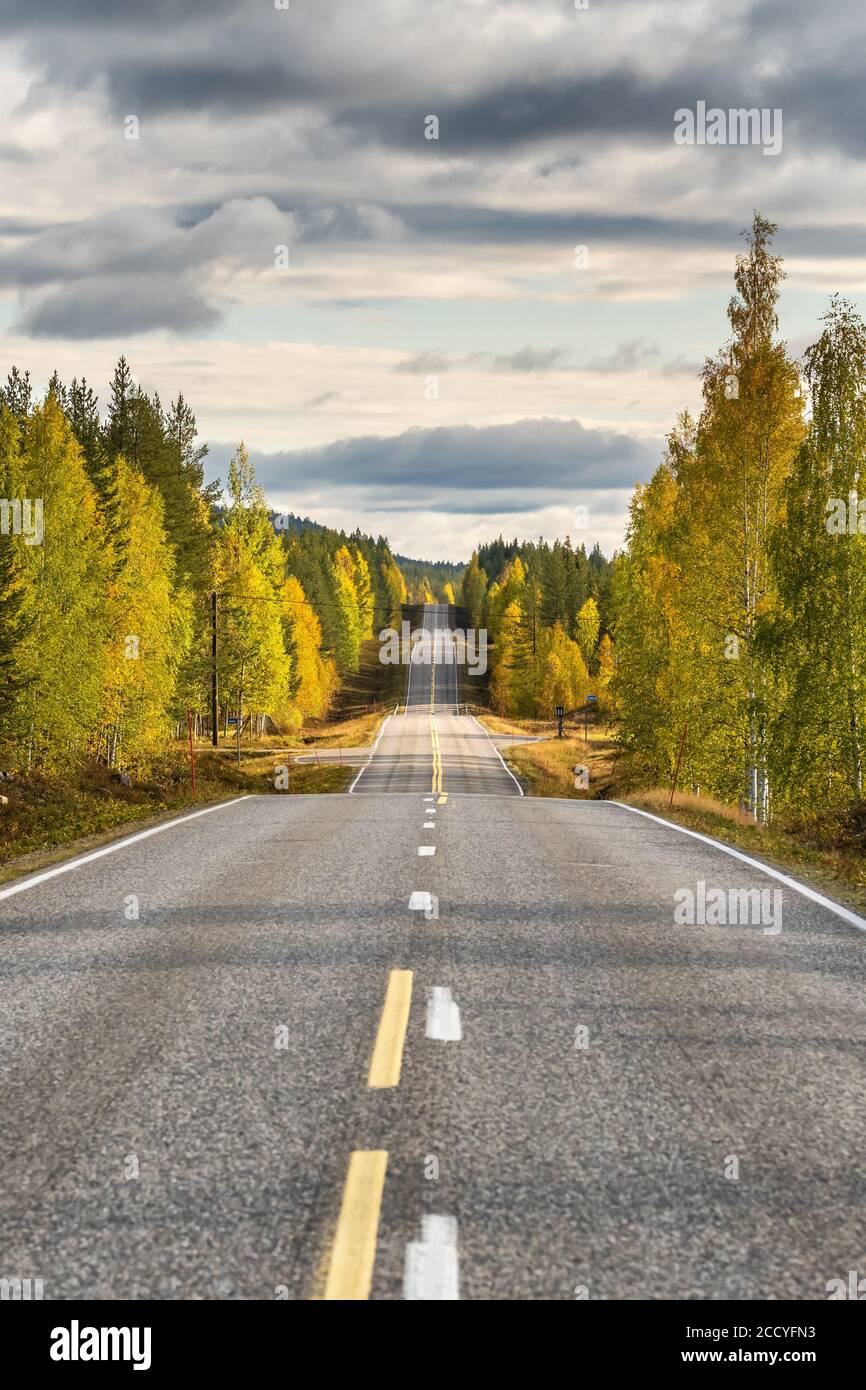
(48, 819)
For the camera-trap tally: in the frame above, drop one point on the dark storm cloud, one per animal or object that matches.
(461, 468)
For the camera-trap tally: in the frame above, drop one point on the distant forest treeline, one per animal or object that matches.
(425, 579)
(546, 610)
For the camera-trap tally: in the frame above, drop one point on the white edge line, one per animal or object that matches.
(70, 864)
(810, 893)
(372, 751)
(499, 756)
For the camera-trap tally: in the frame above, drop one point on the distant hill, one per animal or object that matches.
(434, 573)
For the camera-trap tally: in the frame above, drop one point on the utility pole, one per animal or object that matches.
(214, 714)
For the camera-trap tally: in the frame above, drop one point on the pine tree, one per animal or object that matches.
(17, 395)
(119, 434)
(587, 627)
(555, 585)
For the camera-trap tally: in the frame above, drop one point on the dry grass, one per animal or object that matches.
(658, 799)
(356, 731)
(47, 819)
(547, 768)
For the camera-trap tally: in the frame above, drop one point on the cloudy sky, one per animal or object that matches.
(432, 363)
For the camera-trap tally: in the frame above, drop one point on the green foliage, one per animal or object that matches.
(738, 615)
(105, 626)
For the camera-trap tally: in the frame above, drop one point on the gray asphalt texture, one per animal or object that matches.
(403, 759)
(600, 1165)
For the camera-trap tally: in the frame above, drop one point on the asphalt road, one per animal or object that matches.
(433, 746)
(281, 1079)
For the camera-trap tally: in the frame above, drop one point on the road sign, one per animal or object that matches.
(232, 719)
(591, 699)
(559, 711)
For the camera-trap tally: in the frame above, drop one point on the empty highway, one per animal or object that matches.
(430, 1040)
(432, 746)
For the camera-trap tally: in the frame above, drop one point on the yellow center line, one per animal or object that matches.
(350, 1273)
(387, 1056)
(437, 756)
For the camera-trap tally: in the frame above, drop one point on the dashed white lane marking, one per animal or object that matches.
(420, 902)
(426, 849)
(843, 912)
(431, 1272)
(429, 825)
(443, 1015)
(113, 848)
